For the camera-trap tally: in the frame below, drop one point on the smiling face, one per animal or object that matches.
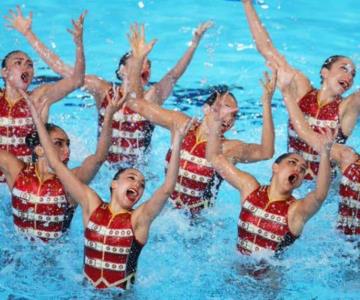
(18, 70)
(128, 188)
(339, 76)
(290, 171)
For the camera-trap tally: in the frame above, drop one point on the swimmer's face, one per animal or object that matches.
(145, 72)
(62, 144)
(340, 76)
(19, 71)
(129, 187)
(227, 101)
(290, 172)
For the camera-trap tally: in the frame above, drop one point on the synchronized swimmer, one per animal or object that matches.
(45, 192)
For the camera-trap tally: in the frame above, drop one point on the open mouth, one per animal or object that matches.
(344, 84)
(25, 77)
(131, 194)
(292, 178)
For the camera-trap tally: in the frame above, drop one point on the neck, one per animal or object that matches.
(202, 131)
(115, 207)
(325, 95)
(276, 193)
(43, 169)
(12, 94)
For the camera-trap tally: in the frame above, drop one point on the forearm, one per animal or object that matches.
(213, 147)
(301, 127)
(173, 167)
(78, 75)
(324, 176)
(268, 134)
(49, 57)
(166, 84)
(134, 82)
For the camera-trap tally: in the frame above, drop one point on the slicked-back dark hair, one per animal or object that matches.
(221, 90)
(6, 57)
(329, 62)
(122, 62)
(283, 156)
(32, 140)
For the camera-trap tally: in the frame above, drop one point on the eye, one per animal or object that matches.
(292, 162)
(131, 177)
(58, 143)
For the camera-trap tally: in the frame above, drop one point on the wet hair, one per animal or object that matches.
(32, 140)
(221, 90)
(329, 62)
(283, 156)
(118, 173)
(4, 61)
(122, 62)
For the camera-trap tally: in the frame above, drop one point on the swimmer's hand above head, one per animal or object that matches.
(16, 20)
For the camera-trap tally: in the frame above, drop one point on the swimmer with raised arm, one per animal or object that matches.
(198, 182)
(270, 218)
(323, 107)
(115, 232)
(131, 132)
(41, 206)
(18, 71)
(345, 157)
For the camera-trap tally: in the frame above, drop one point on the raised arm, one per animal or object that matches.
(54, 92)
(241, 152)
(16, 20)
(152, 112)
(147, 212)
(161, 91)
(78, 191)
(305, 209)
(92, 164)
(266, 48)
(242, 181)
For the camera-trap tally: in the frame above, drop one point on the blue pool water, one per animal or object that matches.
(184, 260)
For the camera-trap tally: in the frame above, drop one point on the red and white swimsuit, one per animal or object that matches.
(39, 208)
(15, 124)
(349, 206)
(317, 116)
(263, 225)
(111, 249)
(197, 183)
(131, 134)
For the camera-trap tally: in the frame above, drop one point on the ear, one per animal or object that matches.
(324, 73)
(3, 72)
(39, 151)
(206, 109)
(122, 71)
(114, 184)
(275, 168)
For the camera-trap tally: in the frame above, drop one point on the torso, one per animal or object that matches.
(326, 116)
(349, 206)
(15, 124)
(263, 225)
(40, 209)
(131, 135)
(111, 249)
(197, 183)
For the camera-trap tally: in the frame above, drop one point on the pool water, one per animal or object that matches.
(189, 259)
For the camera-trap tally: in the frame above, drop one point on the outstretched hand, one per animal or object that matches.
(78, 28)
(269, 84)
(137, 42)
(180, 130)
(116, 100)
(327, 138)
(218, 111)
(201, 29)
(17, 21)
